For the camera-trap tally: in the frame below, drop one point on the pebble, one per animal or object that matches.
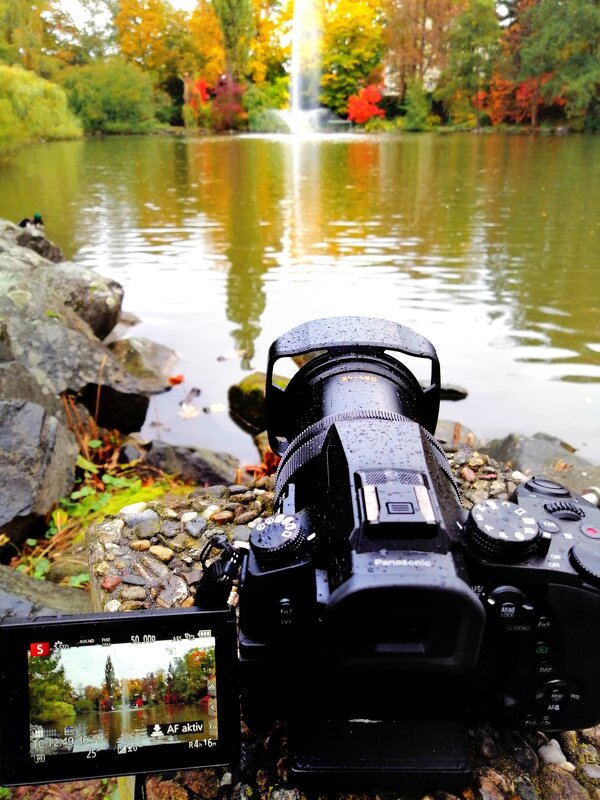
(133, 593)
(164, 553)
(551, 753)
(139, 545)
(110, 582)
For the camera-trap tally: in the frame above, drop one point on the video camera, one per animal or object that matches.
(376, 617)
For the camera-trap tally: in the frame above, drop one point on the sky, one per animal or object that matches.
(85, 665)
(76, 11)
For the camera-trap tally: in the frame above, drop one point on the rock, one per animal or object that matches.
(164, 553)
(24, 596)
(38, 463)
(247, 400)
(67, 567)
(93, 297)
(194, 464)
(555, 784)
(452, 434)
(149, 362)
(551, 753)
(34, 239)
(591, 772)
(546, 455)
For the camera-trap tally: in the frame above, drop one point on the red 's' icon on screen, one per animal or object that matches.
(39, 649)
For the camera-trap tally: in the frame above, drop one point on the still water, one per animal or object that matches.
(487, 245)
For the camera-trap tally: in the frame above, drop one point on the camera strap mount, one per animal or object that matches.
(218, 586)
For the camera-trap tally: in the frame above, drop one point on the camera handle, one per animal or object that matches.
(335, 335)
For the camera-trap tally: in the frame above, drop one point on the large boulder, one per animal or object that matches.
(543, 454)
(37, 450)
(48, 310)
(94, 298)
(52, 319)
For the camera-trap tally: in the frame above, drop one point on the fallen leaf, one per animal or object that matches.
(188, 411)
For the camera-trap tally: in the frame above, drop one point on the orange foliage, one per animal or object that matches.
(508, 101)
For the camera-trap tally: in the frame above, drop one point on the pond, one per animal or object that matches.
(488, 245)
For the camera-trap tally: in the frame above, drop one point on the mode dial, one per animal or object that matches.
(277, 541)
(504, 531)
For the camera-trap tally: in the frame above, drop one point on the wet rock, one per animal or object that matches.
(194, 464)
(140, 545)
(547, 455)
(525, 790)
(38, 461)
(556, 784)
(149, 362)
(551, 753)
(110, 582)
(133, 593)
(591, 772)
(163, 553)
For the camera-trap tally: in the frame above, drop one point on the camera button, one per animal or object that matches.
(545, 668)
(544, 624)
(549, 526)
(593, 531)
(542, 649)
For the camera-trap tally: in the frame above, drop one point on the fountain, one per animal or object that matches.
(305, 113)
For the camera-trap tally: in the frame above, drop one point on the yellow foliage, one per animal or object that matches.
(207, 40)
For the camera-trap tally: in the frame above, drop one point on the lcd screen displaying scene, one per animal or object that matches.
(91, 696)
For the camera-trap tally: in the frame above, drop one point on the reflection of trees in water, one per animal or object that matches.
(255, 191)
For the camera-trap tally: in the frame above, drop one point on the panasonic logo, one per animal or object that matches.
(401, 562)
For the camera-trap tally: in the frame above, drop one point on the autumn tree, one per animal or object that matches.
(236, 21)
(207, 40)
(272, 28)
(474, 42)
(417, 39)
(353, 49)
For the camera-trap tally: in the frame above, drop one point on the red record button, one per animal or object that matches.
(590, 530)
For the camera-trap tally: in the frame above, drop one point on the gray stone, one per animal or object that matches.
(38, 463)
(151, 363)
(194, 464)
(22, 596)
(543, 454)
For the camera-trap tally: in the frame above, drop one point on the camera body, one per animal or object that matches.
(371, 595)
(376, 616)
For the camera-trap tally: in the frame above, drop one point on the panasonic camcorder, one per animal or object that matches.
(376, 617)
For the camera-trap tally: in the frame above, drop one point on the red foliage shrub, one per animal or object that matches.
(363, 106)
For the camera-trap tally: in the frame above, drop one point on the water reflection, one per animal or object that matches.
(488, 245)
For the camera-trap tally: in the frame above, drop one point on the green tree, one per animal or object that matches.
(561, 54)
(418, 107)
(111, 97)
(236, 21)
(352, 50)
(474, 45)
(50, 693)
(32, 109)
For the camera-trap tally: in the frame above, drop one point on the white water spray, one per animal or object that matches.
(305, 78)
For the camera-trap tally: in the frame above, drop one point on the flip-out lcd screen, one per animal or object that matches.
(116, 694)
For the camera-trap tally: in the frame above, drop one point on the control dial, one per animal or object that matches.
(278, 541)
(585, 558)
(504, 531)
